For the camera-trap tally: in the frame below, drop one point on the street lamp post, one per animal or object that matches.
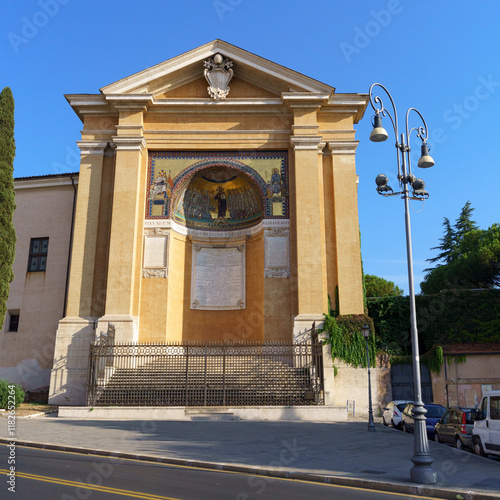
(366, 334)
(422, 471)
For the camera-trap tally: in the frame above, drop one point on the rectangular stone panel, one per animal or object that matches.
(155, 252)
(218, 277)
(277, 254)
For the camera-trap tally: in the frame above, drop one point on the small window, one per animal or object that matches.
(13, 321)
(38, 254)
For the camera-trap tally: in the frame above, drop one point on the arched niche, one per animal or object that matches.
(218, 198)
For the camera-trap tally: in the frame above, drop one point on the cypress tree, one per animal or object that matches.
(7, 197)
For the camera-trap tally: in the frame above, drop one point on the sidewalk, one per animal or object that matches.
(341, 453)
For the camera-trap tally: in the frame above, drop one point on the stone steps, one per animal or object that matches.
(262, 381)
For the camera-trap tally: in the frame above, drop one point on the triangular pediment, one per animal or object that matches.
(198, 89)
(254, 76)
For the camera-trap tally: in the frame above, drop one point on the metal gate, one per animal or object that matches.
(205, 374)
(402, 383)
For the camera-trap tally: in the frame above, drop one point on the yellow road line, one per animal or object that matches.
(75, 484)
(192, 467)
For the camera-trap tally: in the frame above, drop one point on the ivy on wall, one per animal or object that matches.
(433, 359)
(452, 316)
(344, 335)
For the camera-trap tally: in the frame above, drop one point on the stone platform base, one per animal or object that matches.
(276, 413)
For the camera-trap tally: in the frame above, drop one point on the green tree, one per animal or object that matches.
(447, 245)
(453, 235)
(380, 287)
(464, 224)
(7, 197)
(475, 263)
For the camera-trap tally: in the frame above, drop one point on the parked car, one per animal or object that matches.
(486, 432)
(456, 427)
(433, 415)
(392, 413)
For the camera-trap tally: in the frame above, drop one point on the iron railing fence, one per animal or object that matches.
(205, 374)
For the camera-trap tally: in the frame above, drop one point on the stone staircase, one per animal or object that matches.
(251, 381)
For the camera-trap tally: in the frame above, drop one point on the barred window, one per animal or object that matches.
(38, 254)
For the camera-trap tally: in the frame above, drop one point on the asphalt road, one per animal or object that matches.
(49, 475)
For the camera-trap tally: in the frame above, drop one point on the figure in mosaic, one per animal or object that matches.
(276, 183)
(159, 185)
(221, 198)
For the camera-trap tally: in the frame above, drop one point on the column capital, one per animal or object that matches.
(343, 147)
(130, 102)
(305, 142)
(137, 143)
(312, 100)
(91, 147)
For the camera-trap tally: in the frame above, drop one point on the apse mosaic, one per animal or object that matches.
(217, 190)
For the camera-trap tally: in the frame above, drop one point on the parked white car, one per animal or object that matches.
(486, 432)
(393, 411)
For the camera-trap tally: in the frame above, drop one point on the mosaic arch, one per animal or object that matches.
(214, 190)
(217, 197)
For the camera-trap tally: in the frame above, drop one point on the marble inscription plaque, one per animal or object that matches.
(218, 277)
(277, 254)
(155, 252)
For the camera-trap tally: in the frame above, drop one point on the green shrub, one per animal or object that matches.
(344, 335)
(6, 391)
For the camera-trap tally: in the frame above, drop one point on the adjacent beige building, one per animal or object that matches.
(468, 372)
(43, 222)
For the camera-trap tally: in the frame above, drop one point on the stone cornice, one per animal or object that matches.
(89, 104)
(139, 102)
(91, 147)
(305, 99)
(351, 104)
(343, 147)
(129, 143)
(305, 142)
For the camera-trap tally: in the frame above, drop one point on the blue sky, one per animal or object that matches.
(440, 57)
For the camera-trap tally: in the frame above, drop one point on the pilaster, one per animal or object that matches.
(311, 262)
(342, 235)
(86, 229)
(125, 253)
(330, 232)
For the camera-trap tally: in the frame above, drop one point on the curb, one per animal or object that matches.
(390, 486)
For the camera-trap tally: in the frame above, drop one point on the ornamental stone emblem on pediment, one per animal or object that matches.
(218, 73)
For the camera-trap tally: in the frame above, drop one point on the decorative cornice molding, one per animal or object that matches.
(303, 142)
(88, 148)
(314, 128)
(219, 132)
(202, 101)
(352, 104)
(305, 99)
(129, 143)
(164, 224)
(140, 102)
(343, 147)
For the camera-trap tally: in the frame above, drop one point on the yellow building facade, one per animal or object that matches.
(217, 201)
